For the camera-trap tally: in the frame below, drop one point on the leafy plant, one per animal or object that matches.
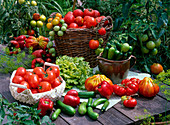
(10, 63)
(164, 77)
(74, 70)
(20, 114)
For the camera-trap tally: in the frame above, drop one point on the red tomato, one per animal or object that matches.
(48, 60)
(39, 71)
(55, 70)
(78, 12)
(27, 75)
(40, 79)
(90, 22)
(44, 86)
(33, 81)
(17, 79)
(120, 91)
(30, 32)
(156, 68)
(73, 25)
(49, 76)
(106, 22)
(102, 31)
(56, 83)
(93, 44)
(19, 90)
(98, 19)
(89, 12)
(84, 26)
(34, 91)
(79, 20)
(36, 16)
(85, 18)
(21, 71)
(130, 102)
(69, 13)
(96, 13)
(69, 18)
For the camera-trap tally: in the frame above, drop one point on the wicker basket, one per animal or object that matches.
(27, 97)
(75, 41)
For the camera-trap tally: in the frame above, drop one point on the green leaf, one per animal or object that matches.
(161, 32)
(153, 33)
(133, 35)
(46, 119)
(28, 122)
(147, 68)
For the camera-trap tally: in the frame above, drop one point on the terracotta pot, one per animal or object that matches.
(115, 70)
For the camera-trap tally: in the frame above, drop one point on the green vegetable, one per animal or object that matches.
(105, 52)
(66, 108)
(93, 115)
(74, 70)
(98, 51)
(87, 94)
(56, 114)
(99, 101)
(111, 53)
(89, 103)
(106, 104)
(82, 108)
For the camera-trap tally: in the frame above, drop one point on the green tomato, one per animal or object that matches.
(51, 33)
(143, 38)
(157, 42)
(56, 28)
(53, 55)
(33, 23)
(62, 21)
(64, 24)
(125, 47)
(144, 50)
(154, 51)
(60, 33)
(63, 28)
(51, 38)
(52, 50)
(150, 45)
(130, 48)
(50, 44)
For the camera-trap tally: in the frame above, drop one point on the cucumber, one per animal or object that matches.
(105, 52)
(93, 115)
(82, 108)
(87, 94)
(106, 104)
(65, 108)
(111, 53)
(89, 103)
(99, 101)
(56, 114)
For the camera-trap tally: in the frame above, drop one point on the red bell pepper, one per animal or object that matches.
(37, 62)
(38, 53)
(71, 98)
(13, 47)
(45, 105)
(105, 89)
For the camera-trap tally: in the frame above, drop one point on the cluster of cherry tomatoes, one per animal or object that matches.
(39, 80)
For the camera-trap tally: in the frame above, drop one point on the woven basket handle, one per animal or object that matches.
(18, 85)
(109, 25)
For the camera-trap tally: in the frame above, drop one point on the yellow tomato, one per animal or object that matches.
(49, 25)
(55, 22)
(50, 19)
(58, 18)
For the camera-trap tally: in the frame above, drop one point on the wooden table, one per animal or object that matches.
(117, 115)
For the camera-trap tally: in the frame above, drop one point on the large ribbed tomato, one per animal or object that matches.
(92, 82)
(148, 88)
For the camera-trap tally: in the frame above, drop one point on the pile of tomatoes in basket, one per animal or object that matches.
(87, 19)
(39, 80)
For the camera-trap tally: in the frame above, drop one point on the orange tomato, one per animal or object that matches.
(49, 25)
(50, 19)
(156, 68)
(58, 15)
